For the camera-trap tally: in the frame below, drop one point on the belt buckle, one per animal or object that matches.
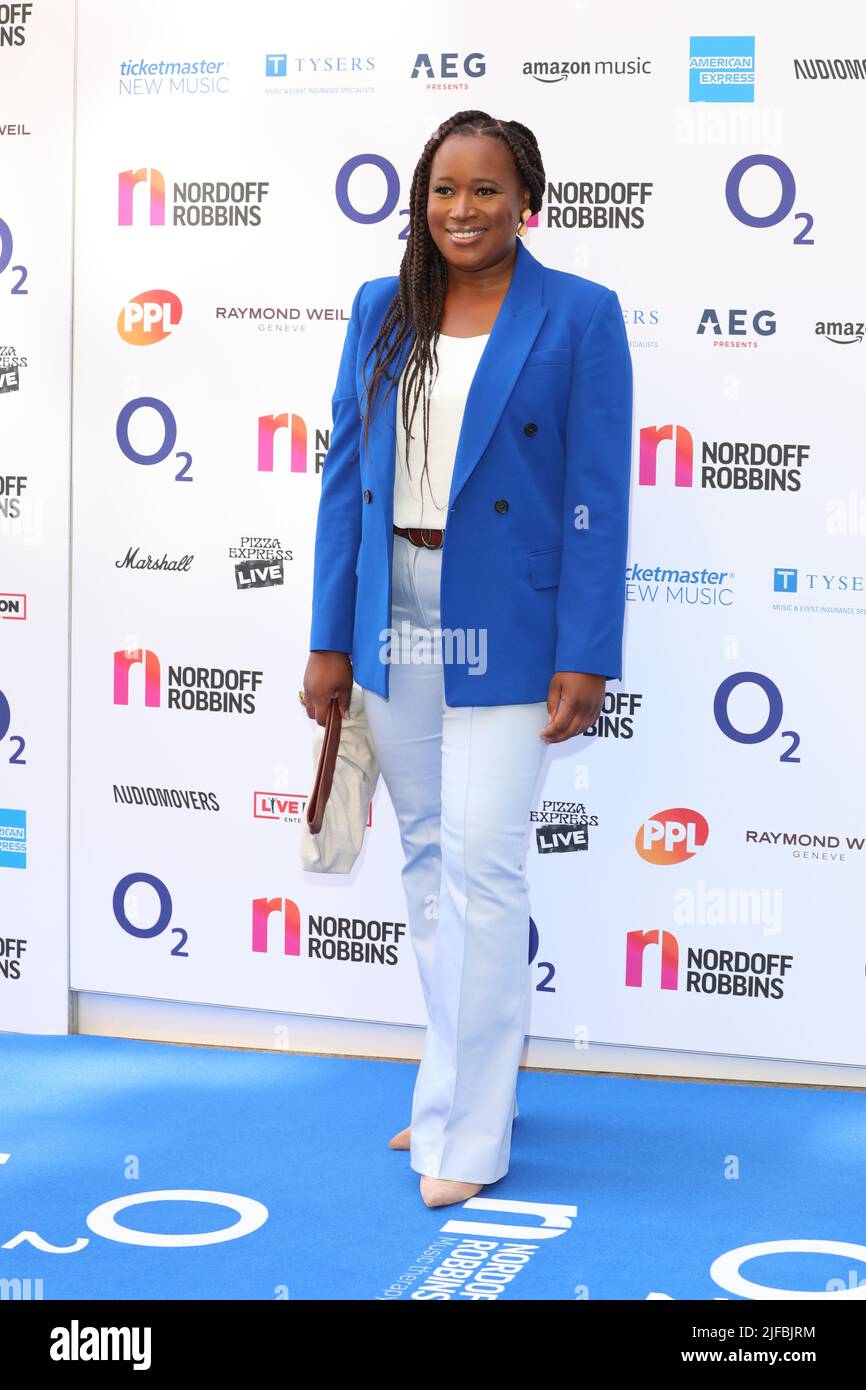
(425, 540)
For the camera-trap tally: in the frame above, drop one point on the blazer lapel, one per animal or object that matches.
(514, 331)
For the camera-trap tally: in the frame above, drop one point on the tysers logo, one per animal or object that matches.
(672, 836)
(149, 318)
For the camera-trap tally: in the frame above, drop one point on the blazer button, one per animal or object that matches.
(368, 496)
(500, 504)
(531, 428)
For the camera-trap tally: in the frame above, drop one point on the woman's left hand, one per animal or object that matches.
(574, 702)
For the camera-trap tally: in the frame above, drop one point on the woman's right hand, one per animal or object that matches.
(327, 674)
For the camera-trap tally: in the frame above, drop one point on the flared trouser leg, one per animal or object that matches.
(462, 782)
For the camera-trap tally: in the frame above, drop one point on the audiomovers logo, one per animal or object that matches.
(672, 836)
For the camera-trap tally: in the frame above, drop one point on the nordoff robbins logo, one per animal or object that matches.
(421, 646)
(76, 1343)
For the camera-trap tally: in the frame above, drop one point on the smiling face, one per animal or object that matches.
(474, 187)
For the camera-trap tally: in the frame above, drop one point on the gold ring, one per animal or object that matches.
(302, 697)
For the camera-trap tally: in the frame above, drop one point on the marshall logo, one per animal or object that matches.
(564, 826)
(133, 561)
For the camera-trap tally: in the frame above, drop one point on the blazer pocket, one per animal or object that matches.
(544, 567)
(544, 357)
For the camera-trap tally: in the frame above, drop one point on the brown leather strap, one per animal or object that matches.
(318, 799)
(428, 537)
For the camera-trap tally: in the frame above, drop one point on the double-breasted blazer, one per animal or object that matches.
(534, 553)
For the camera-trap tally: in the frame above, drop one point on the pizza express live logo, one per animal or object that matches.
(194, 203)
(561, 826)
(211, 689)
(667, 839)
(11, 362)
(259, 562)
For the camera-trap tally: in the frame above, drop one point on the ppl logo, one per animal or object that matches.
(288, 920)
(672, 836)
(149, 318)
(154, 182)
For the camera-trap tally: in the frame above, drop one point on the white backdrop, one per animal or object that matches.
(36, 130)
(201, 336)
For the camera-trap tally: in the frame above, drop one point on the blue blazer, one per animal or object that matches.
(536, 535)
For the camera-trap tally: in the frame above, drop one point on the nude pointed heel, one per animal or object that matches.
(403, 1140)
(441, 1192)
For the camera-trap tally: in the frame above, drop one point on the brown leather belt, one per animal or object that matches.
(426, 536)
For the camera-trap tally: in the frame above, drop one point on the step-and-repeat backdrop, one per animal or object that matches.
(36, 189)
(697, 858)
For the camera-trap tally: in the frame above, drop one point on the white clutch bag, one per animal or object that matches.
(346, 776)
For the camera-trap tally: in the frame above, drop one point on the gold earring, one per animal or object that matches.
(521, 230)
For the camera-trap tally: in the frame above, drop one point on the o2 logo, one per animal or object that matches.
(391, 192)
(534, 941)
(787, 194)
(771, 723)
(102, 1221)
(169, 436)
(6, 256)
(118, 903)
(16, 740)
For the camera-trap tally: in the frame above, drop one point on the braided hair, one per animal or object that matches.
(418, 304)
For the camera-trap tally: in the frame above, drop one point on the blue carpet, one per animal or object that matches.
(666, 1176)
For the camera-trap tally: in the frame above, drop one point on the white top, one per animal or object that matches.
(415, 505)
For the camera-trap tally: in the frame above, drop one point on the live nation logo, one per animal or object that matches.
(288, 807)
(259, 562)
(562, 826)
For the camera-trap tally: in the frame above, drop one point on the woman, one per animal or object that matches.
(469, 574)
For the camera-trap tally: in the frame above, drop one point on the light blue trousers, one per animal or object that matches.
(462, 782)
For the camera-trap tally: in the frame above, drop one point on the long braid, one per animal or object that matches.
(417, 307)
